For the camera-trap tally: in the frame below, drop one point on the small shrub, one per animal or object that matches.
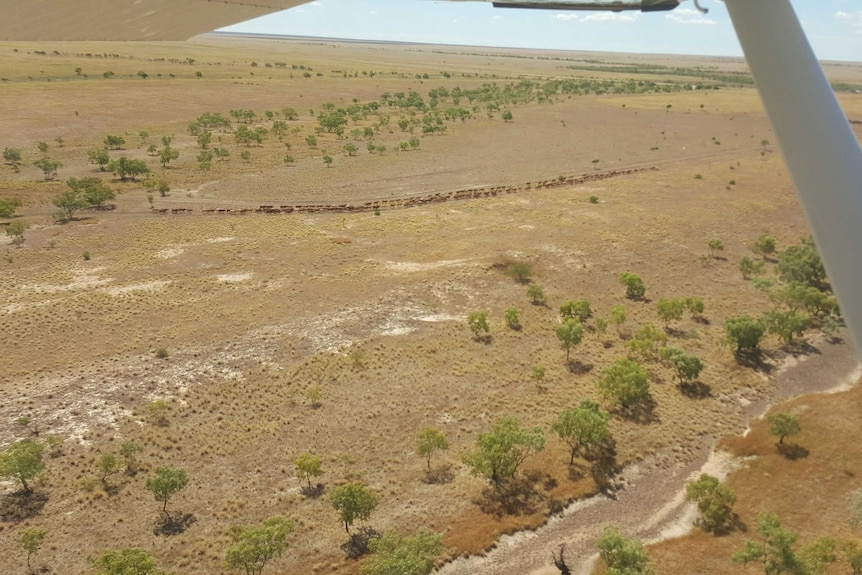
(162, 353)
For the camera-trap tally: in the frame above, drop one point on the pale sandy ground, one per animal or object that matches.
(651, 504)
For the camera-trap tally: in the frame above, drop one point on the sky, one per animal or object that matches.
(834, 27)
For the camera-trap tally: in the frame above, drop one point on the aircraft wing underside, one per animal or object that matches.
(127, 19)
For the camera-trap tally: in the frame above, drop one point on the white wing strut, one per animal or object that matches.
(819, 147)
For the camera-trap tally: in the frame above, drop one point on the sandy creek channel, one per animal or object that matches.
(651, 505)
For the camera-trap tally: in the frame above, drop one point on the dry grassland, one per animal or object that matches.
(255, 311)
(808, 494)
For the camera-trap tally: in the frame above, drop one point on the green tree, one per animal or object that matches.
(168, 154)
(31, 540)
(537, 373)
(49, 167)
(478, 322)
(12, 157)
(714, 502)
(311, 141)
(353, 501)
(695, 306)
(853, 555)
(99, 157)
(131, 561)
(786, 324)
(646, 343)
(15, 230)
(801, 264)
(513, 318)
(635, 288)
(749, 267)
(520, 270)
(775, 552)
(670, 310)
(395, 554)
(308, 465)
(536, 294)
(507, 116)
(22, 461)
(764, 245)
(42, 147)
(128, 168)
(783, 425)
(621, 555)
(618, 316)
(327, 160)
(350, 148)
(254, 547)
(502, 450)
(570, 333)
(114, 142)
(579, 310)
(107, 464)
(157, 410)
(8, 207)
(624, 383)
(92, 190)
(128, 452)
(429, 441)
(582, 428)
(205, 158)
(715, 246)
(165, 483)
(204, 140)
(745, 332)
(687, 367)
(69, 202)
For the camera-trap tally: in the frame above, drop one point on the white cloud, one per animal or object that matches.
(598, 17)
(610, 17)
(373, 12)
(852, 18)
(689, 16)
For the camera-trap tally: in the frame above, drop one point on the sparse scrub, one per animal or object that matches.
(478, 323)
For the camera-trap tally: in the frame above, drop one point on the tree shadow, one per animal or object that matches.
(357, 545)
(695, 390)
(642, 412)
(577, 367)
(792, 451)
(21, 505)
(675, 332)
(312, 492)
(439, 475)
(516, 496)
(701, 319)
(754, 359)
(168, 525)
(604, 465)
(734, 524)
(799, 347)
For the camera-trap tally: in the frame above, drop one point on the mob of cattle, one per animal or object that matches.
(411, 201)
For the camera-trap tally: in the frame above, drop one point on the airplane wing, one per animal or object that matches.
(127, 19)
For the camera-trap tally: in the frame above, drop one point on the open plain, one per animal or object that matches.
(299, 294)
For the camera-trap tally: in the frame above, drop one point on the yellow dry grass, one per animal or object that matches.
(256, 310)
